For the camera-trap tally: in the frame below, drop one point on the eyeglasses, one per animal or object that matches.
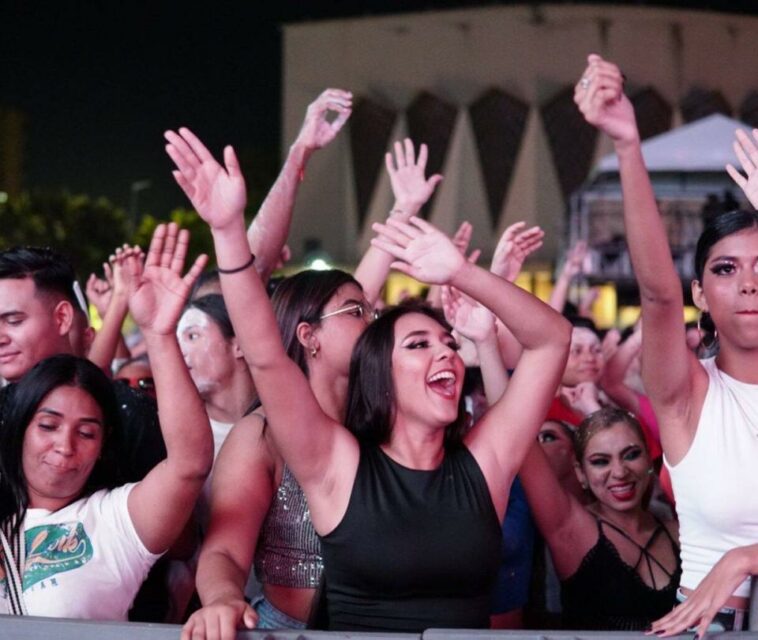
(356, 310)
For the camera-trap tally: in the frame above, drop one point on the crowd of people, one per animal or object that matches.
(293, 452)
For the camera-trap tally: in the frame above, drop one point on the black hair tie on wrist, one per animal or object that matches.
(249, 263)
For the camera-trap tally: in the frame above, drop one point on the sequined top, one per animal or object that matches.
(288, 552)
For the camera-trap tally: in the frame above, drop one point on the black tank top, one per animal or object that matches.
(606, 593)
(416, 549)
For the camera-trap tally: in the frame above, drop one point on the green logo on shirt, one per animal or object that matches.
(54, 548)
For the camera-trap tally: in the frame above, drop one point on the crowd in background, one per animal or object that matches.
(288, 452)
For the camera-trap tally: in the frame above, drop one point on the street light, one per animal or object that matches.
(136, 187)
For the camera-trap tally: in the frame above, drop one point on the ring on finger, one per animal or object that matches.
(584, 83)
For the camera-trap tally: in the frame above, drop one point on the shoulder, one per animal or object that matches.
(248, 443)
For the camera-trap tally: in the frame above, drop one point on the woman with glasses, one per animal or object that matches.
(258, 515)
(408, 509)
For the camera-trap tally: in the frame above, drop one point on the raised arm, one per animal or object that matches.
(515, 245)
(476, 323)
(109, 339)
(161, 503)
(572, 267)
(411, 189)
(319, 451)
(669, 370)
(269, 229)
(426, 254)
(615, 370)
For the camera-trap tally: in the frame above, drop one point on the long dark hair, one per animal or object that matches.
(302, 298)
(717, 228)
(371, 403)
(21, 404)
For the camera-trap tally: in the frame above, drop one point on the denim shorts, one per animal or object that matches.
(269, 617)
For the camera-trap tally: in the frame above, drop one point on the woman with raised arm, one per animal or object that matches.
(618, 564)
(264, 520)
(408, 515)
(75, 544)
(707, 410)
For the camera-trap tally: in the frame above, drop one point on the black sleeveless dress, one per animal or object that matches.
(606, 593)
(416, 549)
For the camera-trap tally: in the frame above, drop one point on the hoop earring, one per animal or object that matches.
(314, 351)
(700, 333)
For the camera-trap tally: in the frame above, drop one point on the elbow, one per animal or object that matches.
(195, 465)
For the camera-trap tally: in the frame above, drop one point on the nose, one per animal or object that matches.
(64, 443)
(618, 469)
(445, 352)
(748, 284)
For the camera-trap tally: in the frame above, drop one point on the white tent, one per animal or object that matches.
(701, 146)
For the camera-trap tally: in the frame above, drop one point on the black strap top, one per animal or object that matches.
(607, 593)
(416, 549)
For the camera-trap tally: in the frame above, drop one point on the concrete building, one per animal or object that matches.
(490, 90)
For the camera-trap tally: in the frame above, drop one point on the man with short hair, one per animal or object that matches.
(40, 308)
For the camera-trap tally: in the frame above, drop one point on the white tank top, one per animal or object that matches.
(716, 483)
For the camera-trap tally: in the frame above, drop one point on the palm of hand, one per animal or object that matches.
(409, 185)
(157, 300)
(216, 195)
(433, 257)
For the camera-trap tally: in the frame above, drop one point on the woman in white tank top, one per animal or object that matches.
(708, 411)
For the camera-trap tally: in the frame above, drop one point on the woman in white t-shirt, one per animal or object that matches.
(73, 545)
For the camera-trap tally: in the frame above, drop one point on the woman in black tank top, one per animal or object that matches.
(618, 564)
(408, 511)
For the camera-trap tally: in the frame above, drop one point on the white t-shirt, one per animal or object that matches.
(83, 561)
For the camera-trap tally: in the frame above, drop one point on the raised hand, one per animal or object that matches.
(515, 246)
(157, 290)
(747, 154)
(575, 260)
(407, 177)
(317, 131)
(584, 398)
(422, 251)
(467, 317)
(99, 290)
(599, 94)
(217, 193)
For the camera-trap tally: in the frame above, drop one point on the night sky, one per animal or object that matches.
(99, 82)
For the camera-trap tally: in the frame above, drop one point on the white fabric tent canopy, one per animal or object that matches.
(701, 146)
